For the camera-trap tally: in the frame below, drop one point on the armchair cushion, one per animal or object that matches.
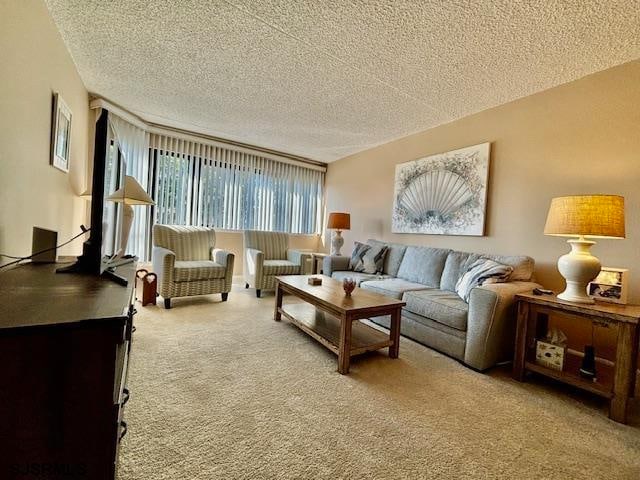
(280, 267)
(273, 245)
(188, 243)
(298, 257)
(193, 270)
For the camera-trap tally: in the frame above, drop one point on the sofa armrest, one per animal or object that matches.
(491, 323)
(163, 261)
(299, 258)
(334, 263)
(227, 259)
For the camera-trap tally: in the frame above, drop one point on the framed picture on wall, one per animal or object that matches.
(443, 194)
(60, 134)
(611, 285)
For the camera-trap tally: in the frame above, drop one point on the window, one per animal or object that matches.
(204, 184)
(220, 188)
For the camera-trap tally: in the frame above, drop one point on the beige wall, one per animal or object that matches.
(34, 62)
(582, 137)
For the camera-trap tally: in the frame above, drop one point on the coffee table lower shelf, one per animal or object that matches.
(325, 328)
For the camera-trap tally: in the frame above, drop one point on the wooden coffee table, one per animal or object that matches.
(331, 317)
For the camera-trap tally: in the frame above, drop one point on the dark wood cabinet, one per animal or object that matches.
(65, 341)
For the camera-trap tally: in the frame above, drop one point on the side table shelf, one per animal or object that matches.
(317, 258)
(615, 380)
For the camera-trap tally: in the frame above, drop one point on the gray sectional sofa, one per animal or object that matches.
(479, 333)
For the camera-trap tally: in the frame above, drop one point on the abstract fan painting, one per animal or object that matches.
(443, 194)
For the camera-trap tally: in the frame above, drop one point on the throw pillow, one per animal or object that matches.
(355, 262)
(480, 272)
(373, 259)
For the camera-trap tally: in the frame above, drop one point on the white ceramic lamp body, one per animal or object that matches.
(578, 267)
(131, 193)
(338, 221)
(127, 220)
(336, 242)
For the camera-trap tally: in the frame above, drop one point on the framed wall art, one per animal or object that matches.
(60, 134)
(443, 194)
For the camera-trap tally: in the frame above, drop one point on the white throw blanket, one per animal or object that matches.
(480, 272)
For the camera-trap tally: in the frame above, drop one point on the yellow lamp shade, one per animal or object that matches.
(594, 216)
(339, 221)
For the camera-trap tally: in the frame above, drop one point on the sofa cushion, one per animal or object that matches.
(280, 267)
(395, 253)
(357, 276)
(456, 265)
(392, 287)
(423, 265)
(194, 270)
(438, 305)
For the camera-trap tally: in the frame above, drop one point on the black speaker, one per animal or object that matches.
(588, 368)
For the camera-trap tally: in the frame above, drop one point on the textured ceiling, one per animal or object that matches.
(327, 78)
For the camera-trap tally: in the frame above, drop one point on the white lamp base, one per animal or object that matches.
(127, 220)
(336, 242)
(578, 268)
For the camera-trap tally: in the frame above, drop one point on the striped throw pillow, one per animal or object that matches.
(480, 272)
(355, 262)
(373, 259)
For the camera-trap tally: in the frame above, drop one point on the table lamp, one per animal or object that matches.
(584, 217)
(338, 221)
(131, 193)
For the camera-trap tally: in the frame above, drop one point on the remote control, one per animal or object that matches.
(542, 291)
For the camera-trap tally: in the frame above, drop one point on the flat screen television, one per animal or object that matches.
(99, 250)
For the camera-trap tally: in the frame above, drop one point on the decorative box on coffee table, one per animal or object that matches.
(614, 381)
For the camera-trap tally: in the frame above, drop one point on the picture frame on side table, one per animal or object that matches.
(60, 133)
(611, 285)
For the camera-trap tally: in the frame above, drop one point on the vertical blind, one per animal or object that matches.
(133, 145)
(199, 184)
(202, 184)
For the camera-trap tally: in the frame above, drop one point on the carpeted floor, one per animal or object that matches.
(221, 391)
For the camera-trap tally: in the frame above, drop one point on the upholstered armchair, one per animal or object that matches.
(186, 262)
(267, 255)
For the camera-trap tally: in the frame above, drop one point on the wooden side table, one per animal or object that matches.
(317, 257)
(615, 382)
